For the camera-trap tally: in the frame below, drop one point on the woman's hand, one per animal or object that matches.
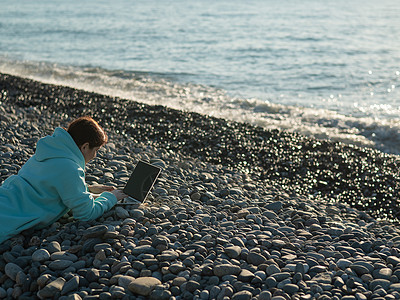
(98, 188)
(119, 194)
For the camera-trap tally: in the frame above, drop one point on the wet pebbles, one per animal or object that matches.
(214, 227)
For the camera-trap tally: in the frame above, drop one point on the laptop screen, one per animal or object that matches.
(141, 181)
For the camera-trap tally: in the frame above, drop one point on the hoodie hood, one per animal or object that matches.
(59, 145)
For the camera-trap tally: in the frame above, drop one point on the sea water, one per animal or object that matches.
(328, 69)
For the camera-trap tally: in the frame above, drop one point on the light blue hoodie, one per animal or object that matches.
(51, 183)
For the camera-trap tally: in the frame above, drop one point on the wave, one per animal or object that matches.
(162, 89)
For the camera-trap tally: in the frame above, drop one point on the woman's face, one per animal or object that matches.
(88, 153)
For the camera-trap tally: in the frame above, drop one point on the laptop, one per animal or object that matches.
(141, 181)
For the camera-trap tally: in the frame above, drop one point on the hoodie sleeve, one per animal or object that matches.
(74, 194)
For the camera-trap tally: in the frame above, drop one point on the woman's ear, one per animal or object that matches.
(84, 147)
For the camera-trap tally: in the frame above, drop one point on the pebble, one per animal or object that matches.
(125, 281)
(226, 269)
(265, 295)
(383, 283)
(94, 232)
(393, 260)
(280, 276)
(255, 258)
(178, 281)
(273, 269)
(192, 285)
(395, 287)
(384, 273)
(60, 264)
(3, 293)
(144, 285)
(245, 276)
(136, 213)
(70, 286)
(64, 256)
(233, 251)
(359, 269)
(275, 206)
(12, 270)
(144, 249)
(290, 288)
(168, 255)
(343, 263)
(51, 289)
(41, 255)
(242, 295)
(205, 295)
(121, 212)
(238, 242)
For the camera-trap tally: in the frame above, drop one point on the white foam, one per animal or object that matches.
(382, 134)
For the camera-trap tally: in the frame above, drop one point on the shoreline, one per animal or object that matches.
(238, 212)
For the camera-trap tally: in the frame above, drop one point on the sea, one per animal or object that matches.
(326, 69)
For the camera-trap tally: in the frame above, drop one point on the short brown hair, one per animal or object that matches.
(86, 130)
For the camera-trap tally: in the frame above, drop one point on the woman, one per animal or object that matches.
(52, 181)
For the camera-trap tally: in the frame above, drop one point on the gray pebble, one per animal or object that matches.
(233, 251)
(226, 269)
(271, 282)
(265, 295)
(204, 295)
(270, 214)
(53, 247)
(160, 294)
(343, 263)
(144, 285)
(238, 242)
(94, 232)
(384, 273)
(256, 258)
(117, 292)
(290, 288)
(245, 276)
(192, 285)
(323, 278)
(63, 256)
(261, 274)
(105, 296)
(70, 286)
(242, 295)
(168, 255)
(41, 255)
(51, 289)
(60, 264)
(121, 212)
(12, 270)
(395, 287)
(3, 293)
(125, 281)
(393, 260)
(281, 276)
(369, 267)
(144, 249)
(275, 206)
(21, 278)
(384, 283)
(273, 269)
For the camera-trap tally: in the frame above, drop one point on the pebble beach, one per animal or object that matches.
(239, 212)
